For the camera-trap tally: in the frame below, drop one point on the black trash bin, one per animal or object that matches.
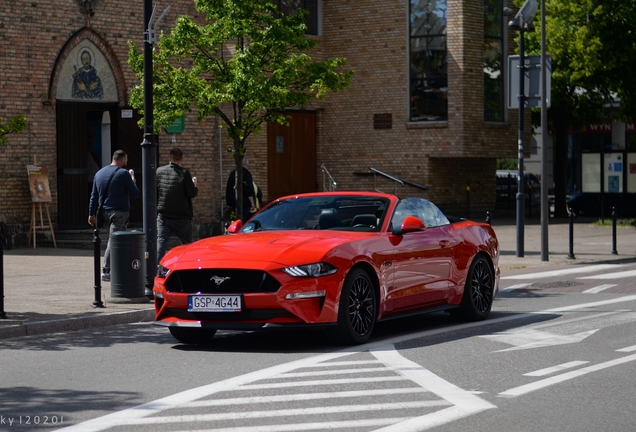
(127, 264)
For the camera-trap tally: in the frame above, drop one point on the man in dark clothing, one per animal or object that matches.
(116, 201)
(175, 190)
(249, 205)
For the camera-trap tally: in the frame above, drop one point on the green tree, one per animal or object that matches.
(247, 63)
(593, 46)
(14, 125)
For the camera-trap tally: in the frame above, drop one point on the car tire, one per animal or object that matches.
(478, 291)
(357, 311)
(192, 335)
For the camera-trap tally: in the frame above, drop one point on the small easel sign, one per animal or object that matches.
(40, 194)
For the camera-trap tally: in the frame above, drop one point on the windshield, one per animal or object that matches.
(349, 213)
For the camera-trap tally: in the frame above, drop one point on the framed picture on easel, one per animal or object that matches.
(40, 196)
(39, 183)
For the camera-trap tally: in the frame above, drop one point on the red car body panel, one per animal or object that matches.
(411, 271)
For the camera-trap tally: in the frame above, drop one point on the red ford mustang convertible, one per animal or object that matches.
(342, 260)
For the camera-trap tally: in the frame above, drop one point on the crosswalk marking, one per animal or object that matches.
(598, 289)
(517, 286)
(287, 412)
(563, 272)
(335, 425)
(305, 396)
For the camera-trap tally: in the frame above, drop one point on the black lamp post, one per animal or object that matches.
(522, 22)
(149, 149)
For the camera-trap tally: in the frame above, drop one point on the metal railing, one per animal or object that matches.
(332, 183)
(395, 180)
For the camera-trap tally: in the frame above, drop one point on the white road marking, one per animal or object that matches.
(464, 402)
(319, 382)
(336, 425)
(531, 338)
(557, 368)
(588, 305)
(617, 275)
(568, 271)
(627, 349)
(122, 418)
(286, 412)
(514, 287)
(598, 289)
(527, 388)
(332, 372)
(304, 396)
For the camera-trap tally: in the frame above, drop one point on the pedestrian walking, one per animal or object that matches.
(113, 187)
(175, 189)
(249, 193)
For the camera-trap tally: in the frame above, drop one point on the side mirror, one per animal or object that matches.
(235, 227)
(410, 224)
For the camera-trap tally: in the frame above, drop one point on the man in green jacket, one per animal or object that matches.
(175, 190)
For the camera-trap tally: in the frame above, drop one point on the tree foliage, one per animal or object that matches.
(593, 46)
(14, 125)
(246, 63)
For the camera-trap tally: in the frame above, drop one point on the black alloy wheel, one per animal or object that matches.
(478, 291)
(189, 335)
(357, 312)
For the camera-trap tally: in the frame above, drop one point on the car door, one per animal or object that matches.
(421, 260)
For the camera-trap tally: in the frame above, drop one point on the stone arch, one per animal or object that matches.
(84, 40)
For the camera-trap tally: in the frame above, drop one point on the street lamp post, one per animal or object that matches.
(522, 22)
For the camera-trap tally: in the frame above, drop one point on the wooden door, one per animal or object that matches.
(291, 155)
(73, 186)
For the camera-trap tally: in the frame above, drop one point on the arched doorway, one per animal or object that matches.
(91, 121)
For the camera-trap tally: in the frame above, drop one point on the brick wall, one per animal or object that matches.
(372, 35)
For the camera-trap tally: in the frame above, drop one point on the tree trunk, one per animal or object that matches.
(238, 160)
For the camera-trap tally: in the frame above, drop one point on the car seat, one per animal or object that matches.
(329, 218)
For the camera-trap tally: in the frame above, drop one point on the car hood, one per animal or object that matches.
(282, 247)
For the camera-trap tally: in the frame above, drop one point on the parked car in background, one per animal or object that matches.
(507, 184)
(341, 260)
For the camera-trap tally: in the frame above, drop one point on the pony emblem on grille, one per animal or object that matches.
(219, 279)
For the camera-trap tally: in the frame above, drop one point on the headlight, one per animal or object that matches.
(162, 271)
(311, 270)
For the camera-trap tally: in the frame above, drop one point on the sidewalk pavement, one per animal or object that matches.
(49, 290)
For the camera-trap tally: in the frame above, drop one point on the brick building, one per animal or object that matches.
(426, 106)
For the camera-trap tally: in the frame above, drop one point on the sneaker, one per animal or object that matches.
(106, 277)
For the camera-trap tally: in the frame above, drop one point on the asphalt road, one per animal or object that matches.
(558, 353)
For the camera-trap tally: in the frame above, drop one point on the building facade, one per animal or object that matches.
(426, 106)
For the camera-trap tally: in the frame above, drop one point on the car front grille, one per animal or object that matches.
(221, 281)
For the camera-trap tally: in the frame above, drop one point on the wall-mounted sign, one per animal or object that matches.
(177, 126)
(383, 121)
(280, 144)
(126, 113)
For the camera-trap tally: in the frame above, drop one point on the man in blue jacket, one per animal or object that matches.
(113, 186)
(175, 189)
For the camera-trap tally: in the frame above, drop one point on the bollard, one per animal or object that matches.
(3, 314)
(614, 252)
(97, 270)
(571, 215)
(488, 219)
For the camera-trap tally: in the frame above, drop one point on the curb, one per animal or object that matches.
(76, 323)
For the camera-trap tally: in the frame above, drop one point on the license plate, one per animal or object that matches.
(214, 303)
